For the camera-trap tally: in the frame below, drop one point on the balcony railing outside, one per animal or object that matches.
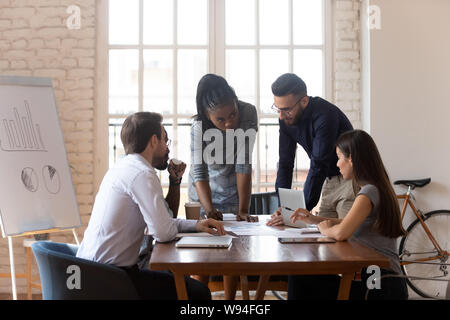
(267, 139)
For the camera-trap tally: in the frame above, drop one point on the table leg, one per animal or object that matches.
(230, 286)
(244, 288)
(262, 286)
(345, 285)
(180, 284)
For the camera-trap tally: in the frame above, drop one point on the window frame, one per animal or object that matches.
(216, 51)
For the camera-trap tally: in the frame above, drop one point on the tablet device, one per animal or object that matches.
(291, 200)
(204, 242)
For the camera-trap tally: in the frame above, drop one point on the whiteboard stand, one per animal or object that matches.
(75, 236)
(11, 256)
(13, 269)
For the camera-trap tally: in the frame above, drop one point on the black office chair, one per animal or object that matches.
(57, 263)
(263, 203)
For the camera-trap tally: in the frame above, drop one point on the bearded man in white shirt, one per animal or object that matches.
(130, 199)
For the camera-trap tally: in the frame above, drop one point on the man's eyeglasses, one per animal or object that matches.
(287, 111)
(168, 143)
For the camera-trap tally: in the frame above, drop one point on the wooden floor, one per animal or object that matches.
(20, 296)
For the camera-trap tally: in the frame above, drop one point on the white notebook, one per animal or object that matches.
(204, 242)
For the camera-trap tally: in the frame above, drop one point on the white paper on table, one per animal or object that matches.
(245, 230)
(309, 230)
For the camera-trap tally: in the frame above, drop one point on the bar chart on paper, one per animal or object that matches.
(20, 133)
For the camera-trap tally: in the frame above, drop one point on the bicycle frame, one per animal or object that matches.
(407, 201)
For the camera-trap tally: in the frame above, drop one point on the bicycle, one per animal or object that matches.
(427, 240)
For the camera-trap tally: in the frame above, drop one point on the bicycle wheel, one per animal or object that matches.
(416, 245)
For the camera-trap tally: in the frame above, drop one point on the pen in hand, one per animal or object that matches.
(289, 209)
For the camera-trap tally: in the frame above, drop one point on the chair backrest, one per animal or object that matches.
(263, 203)
(66, 277)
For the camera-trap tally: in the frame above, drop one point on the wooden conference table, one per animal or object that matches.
(264, 255)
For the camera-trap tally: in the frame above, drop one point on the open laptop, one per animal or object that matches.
(204, 242)
(293, 199)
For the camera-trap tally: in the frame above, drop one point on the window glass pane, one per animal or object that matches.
(273, 21)
(192, 65)
(192, 22)
(116, 150)
(302, 163)
(273, 64)
(158, 21)
(240, 22)
(123, 81)
(308, 65)
(268, 146)
(158, 81)
(308, 21)
(183, 146)
(123, 22)
(240, 73)
(164, 174)
(301, 167)
(183, 198)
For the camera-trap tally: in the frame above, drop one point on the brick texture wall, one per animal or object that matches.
(35, 41)
(347, 63)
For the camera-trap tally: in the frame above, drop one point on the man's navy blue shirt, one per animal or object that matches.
(317, 131)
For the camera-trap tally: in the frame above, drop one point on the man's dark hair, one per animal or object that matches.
(288, 83)
(138, 129)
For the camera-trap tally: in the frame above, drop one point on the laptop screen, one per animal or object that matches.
(291, 200)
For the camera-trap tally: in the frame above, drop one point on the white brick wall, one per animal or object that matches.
(347, 63)
(35, 41)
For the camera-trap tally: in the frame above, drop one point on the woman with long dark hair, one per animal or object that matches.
(222, 138)
(374, 220)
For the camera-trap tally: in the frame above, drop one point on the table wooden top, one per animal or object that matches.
(266, 255)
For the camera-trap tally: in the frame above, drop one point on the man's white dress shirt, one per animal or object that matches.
(130, 199)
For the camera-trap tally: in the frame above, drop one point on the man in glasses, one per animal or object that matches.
(315, 124)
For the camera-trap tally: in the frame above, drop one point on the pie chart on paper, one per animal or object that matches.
(51, 179)
(29, 179)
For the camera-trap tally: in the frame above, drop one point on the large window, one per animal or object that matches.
(158, 50)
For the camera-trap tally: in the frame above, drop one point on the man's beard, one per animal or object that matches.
(162, 166)
(296, 119)
(161, 163)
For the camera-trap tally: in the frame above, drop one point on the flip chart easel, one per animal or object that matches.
(36, 190)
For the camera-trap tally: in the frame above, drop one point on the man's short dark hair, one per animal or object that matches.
(138, 129)
(288, 83)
